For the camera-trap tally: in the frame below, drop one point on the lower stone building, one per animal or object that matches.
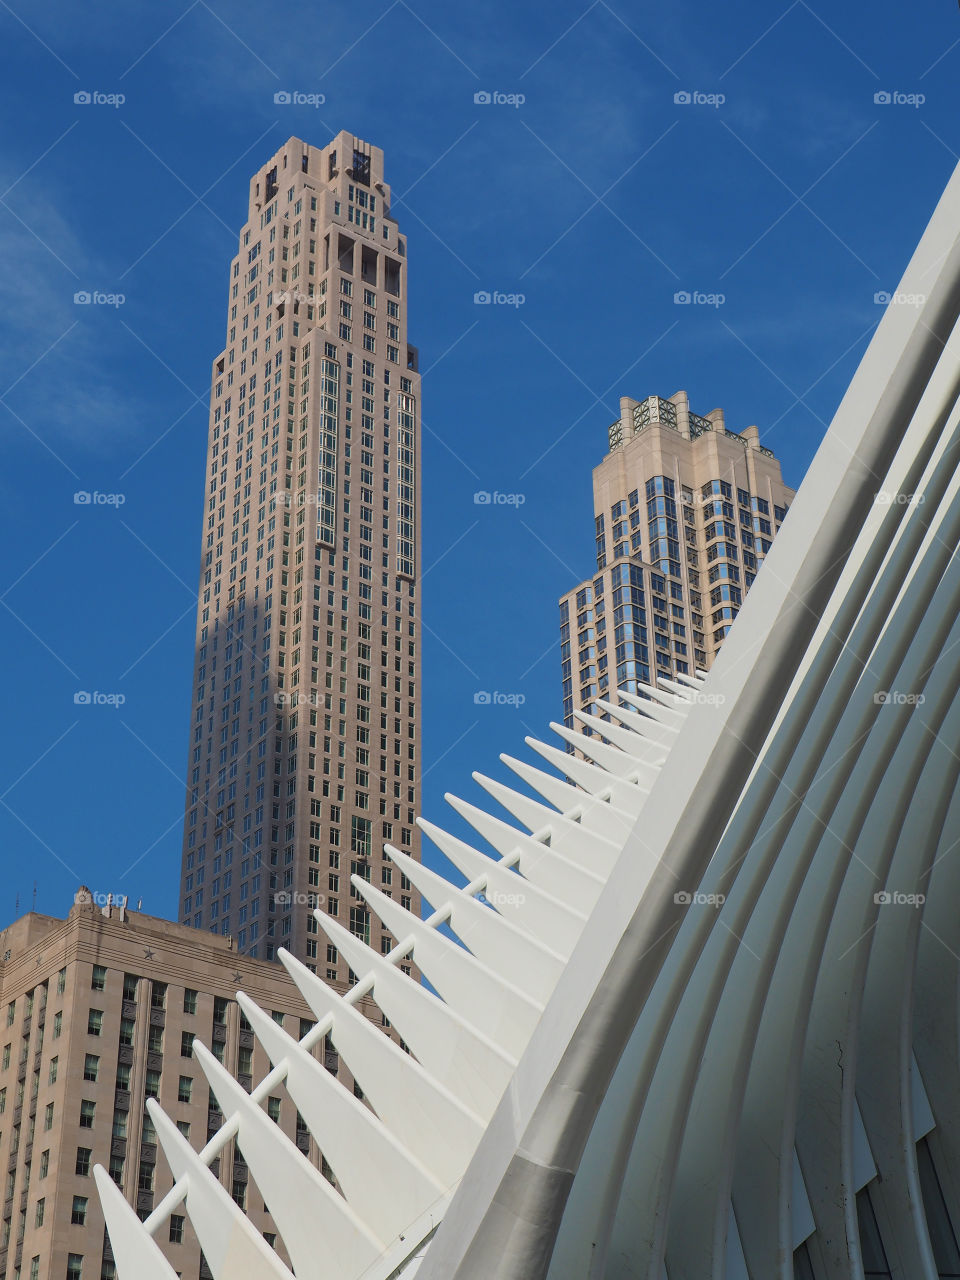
(98, 1012)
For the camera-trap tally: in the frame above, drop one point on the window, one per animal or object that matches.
(74, 1266)
(123, 1075)
(38, 1217)
(145, 1177)
(48, 1116)
(129, 986)
(158, 995)
(91, 1067)
(186, 1044)
(78, 1215)
(185, 1090)
(273, 1109)
(61, 981)
(219, 1011)
(35, 1267)
(155, 1040)
(120, 1124)
(5, 1062)
(152, 1085)
(44, 1163)
(94, 1022)
(127, 1028)
(83, 1162)
(189, 1001)
(176, 1228)
(88, 1110)
(99, 980)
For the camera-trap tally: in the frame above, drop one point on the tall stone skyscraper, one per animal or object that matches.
(685, 511)
(305, 727)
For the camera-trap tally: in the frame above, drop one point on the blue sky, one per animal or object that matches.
(798, 197)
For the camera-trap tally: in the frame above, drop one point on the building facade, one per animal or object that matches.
(685, 512)
(305, 725)
(98, 1012)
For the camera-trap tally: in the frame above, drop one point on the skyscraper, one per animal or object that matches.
(685, 512)
(304, 739)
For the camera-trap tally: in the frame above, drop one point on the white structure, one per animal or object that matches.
(704, 1023)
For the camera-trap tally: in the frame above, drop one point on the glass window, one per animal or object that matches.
(99, 980)
(91, 1066)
